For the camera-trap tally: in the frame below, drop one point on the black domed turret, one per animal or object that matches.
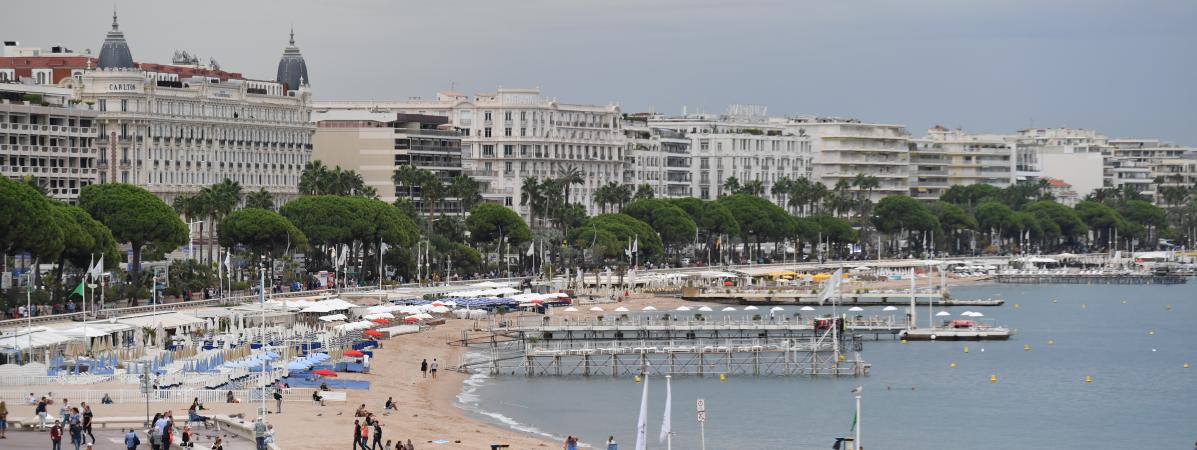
(292, 70)
(115, 52)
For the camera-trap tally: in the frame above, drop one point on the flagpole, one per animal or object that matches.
(856, 441)
(379, 270)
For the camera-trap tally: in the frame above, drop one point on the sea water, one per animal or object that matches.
(1132, 341)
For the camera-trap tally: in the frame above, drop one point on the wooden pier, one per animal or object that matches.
(1092, 278)
(686, 347)
(791, 297)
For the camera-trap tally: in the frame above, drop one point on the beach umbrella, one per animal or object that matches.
(750, 308)
(380, 321)
(437, 304)
(570, 309)
(596, 308)
(890, 308)
(374, 333)
(705, 309)
(353, 353)
(977, 314)
(410, 319)
(728, 309)
(943, 313)
(324, 373)
(619, 309)
(807, 308)
(683, 308)
(855, 309)
(648, 308)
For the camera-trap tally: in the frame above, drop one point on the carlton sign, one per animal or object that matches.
(123, 87)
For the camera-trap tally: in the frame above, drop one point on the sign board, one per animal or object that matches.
(702, 410)
(702, 416)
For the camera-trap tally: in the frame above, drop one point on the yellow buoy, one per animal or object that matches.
(841, 357)
(952, 365)
(1053, 300)
(1088, 379)
(966, 349)
(637, 378)
(1051, 342)
(993, 378)
(1151, 333)
(722, 377)
(1026, 347)
(1016, 306)
(903, 341)
(1186, 365)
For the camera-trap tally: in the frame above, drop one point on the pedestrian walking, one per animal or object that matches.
(357, 433)
(377, 437)
(611, 445)
(131, 440)
(3, 419)
(278, 399)
(432, 368)
(364, 438)
(424, 368)
(260, 433)
(87, 418)
(76, 430)
(40, 410)
(56, 436)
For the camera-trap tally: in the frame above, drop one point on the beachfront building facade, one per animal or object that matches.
(175, 128)
(659, 158)
(741, 145)
(945, 158)
(47, 138)
(375, 145)
(844, 148)
(513, 134)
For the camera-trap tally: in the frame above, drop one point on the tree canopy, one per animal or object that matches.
(611, 234)
(899, 212)
(262, 231)
(27, 222)
(757, 217)
(489, 222)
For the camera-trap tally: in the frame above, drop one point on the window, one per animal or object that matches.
(103, 104)
(486, 132)
(507, 167)
(507, 132)
(124, 105)
(523, 132)
(488, 150)
(507, 115)
(508, 150)
(486, 116)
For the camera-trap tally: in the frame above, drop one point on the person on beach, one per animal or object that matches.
(40, 410)
(410, 446)
(87, 417)
(317, 398)
(424, 368)
(357, 433)
(269, 433)
(65, 409)
(571, 443)
(76, 428)
(390, 404)
(131, 440)
(388, 445)
(278, 400)
(217, 444)
(364, 439)
(3, 419)
(56, 436)
(432, 367)
(611, 445)
(260, 433)
(185, 439)
(377, 436)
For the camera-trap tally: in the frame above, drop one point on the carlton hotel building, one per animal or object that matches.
(176, 128)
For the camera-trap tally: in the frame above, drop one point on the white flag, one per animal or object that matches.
(636, 245)
(642, 423)
(531, 249)
(832, 286)
(228, 262)
(94, 271)
(628, 251)
(666, 423)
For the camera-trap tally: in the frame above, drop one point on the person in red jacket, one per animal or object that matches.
(56, 436)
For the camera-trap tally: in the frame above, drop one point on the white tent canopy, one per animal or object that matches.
(326, 306)
(93, 330)
(332, 317)
(384, 315)
(354, 326)
(33, 339)
(494, 292)
(160, 320)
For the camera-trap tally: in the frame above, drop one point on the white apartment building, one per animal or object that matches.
(44, 135)
(844, 148)
(657, 157)
(174, 129)
(1152, 159)
(945, 158)
(746, 146)
(512, 134)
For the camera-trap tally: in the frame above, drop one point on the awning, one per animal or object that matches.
(93, 330)
(332, 317)
(34, 339)
(325, 306)
(169, 319)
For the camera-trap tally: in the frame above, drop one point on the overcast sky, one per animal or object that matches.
(1127, 68)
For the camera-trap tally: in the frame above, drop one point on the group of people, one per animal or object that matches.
(367, 426)
(427, 368)
(73, 422)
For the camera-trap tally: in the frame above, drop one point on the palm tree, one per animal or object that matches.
(260, 198)
(569, 177)
(781, 190)
(622, 193)
(818, 194)
(224, 198)
(311, 180)
(188, 206)
(603, 197)
(532, 196)
(466, 190)
(731, 185)
(800, 192)
(643, 191)
(554, 192)
(431, 190)
(405, 176)
(754, 187)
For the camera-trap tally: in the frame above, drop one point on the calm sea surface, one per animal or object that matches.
(1140, 397)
